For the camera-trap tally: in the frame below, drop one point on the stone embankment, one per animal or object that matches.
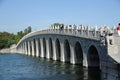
(12, 49)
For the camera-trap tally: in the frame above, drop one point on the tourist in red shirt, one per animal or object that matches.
(118, 28)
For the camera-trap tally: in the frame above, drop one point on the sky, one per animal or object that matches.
(16, 15)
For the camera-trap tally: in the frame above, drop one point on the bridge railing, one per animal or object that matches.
(84, 33)
(72, 32)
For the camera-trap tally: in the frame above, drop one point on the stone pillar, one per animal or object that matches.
(25, 48)
(48, 49)
(22, 48)
(85, 63)
(72, 59)
(54, 50)
(62, 52)
(42, 50)
(37, 47)
(29, 48)
(33, 50)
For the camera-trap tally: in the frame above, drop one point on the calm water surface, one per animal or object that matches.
(22, 67)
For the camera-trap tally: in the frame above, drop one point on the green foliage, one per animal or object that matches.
(7, 39)
(57, 24)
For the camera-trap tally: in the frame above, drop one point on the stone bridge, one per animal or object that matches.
(89, 48)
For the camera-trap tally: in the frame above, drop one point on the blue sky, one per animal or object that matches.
(16, 15)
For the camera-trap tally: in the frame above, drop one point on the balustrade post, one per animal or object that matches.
(95, 30)
(88, 30)
(82, 30)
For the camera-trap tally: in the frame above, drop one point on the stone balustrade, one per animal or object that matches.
(80, 31)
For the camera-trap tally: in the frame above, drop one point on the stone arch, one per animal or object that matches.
(30, 48)
(34, 44)
(51, 48)
(39, 46)
(58, 48)
(78, 53)
(27, 47)
(44, 47)
(93, 57)
(67, 50)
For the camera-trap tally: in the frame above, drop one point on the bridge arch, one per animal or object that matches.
(44, 47)
(67, 50)
(60, 44)
(93, 57)
(30, 48)
(78, 53)
(50, 48)
(34, 46)
(58, 48)
(26, 47)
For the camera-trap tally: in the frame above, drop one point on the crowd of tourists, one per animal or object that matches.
(82, 27)
(72, 27)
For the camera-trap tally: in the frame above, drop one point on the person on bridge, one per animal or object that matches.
(118, 28)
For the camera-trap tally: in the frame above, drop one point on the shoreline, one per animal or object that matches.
(12, 49)
(7, 50)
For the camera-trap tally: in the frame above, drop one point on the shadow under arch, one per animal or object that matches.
(93, 57)
(44, 47)
(51, 48)
(39, 47)
(30, 53)
(27, 47)
(57, 44)
(34, 44)
(78, 53)
(93, 63)
(67, 51)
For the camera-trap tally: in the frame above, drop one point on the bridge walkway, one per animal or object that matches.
(114, 48)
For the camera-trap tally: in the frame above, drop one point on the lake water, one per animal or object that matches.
(22, 67)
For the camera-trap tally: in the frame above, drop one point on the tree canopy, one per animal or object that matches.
(7, 39)
(57, 24)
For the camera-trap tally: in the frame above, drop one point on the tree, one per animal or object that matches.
(29, 29)
(57, 24)
(7, 39)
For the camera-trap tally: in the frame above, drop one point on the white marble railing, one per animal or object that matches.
(78, 33)
(89, 34)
